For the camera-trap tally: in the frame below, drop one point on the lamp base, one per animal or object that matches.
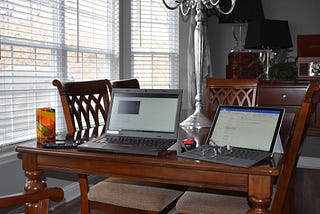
(196, 121)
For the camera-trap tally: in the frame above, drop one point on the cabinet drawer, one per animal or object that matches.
(287, 96)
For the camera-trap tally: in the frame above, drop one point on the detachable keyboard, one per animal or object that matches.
(232, 156)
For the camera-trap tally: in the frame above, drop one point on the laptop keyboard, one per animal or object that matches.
(138, 144)
(232, 156)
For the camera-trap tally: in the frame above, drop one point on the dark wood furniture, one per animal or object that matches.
(243, 65)
(290, 95)
(283, 197)
(86, 105)
(282, 94)
(33, 194)
(125, 83)
(285, 188)
(308, 48)
(167, 169)
(239, 92)
(308, 45)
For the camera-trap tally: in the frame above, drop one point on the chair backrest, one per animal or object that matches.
(125, 83)
(292, 151)
(240, 92)
(85, 104)
(53, 193)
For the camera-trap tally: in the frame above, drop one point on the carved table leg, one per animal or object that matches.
(34, 182)
(259, 194)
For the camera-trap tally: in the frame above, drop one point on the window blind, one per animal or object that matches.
(42, 40)
(154, 44)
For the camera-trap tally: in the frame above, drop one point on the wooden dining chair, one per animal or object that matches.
(82, 101)
(125, 83)
(85, 104)
(38, 196)
(198, 200)
(239, 92)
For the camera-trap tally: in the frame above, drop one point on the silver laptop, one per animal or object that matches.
(240, 136)
(140, 121)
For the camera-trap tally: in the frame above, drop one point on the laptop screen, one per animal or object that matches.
(246, 127)
(144, 110)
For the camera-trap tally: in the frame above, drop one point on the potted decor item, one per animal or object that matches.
(283, 66)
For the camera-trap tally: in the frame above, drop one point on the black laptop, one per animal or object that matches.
(240, 136)
(140, 121)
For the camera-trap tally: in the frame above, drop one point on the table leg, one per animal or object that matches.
(259, 194)
(34, 182)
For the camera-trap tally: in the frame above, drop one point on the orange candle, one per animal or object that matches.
(46, 123)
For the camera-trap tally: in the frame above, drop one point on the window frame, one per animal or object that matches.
(124, 45)
(56, 49)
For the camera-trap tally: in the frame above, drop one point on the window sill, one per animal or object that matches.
(8, 153)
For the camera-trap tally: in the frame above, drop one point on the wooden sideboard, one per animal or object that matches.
(288, 94)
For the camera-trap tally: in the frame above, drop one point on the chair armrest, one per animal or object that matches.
(54, 194)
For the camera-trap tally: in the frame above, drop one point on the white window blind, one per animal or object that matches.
(154, 44)
(42, 40)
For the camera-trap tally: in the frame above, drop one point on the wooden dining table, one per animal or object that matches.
(168, 168)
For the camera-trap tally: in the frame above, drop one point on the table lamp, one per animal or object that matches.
(244, 11)
(268, 34)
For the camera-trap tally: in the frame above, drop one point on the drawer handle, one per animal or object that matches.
(284, 96)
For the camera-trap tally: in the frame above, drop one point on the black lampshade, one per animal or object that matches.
(266, 33)
(244, 11)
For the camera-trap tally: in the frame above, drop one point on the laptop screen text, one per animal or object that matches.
(249, 128)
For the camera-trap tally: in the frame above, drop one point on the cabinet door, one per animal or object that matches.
(288, 95)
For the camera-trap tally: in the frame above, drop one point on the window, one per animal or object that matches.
(154, 44)
(41, 40)
(46, 39)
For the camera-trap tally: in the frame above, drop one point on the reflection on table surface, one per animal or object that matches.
(198, 135)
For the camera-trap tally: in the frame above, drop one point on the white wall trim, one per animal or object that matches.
(8, 157)
(309, 162)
